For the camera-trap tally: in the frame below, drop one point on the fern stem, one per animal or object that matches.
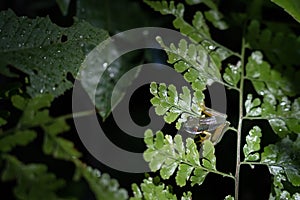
(228, 86)
(253, 163)
(239, 129)
(203, 168)
(232, 128)
(78, 114)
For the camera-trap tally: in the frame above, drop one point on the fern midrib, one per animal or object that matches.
(240, 122)
(171, 156)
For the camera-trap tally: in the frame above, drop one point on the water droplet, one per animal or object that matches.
(280, 130)
(41, 90)
(80, 36)
(111, 75)
(261, 93)
(81, 44)
(54, 88)
(97, 173)
(211, 47)
(29, 57)
(40, 47)
(58, 51)
(257, 57)
(105, 64)
(44, 57)
(19, 45)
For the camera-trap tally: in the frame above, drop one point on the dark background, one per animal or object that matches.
(254, 183)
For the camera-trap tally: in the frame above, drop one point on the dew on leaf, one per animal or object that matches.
(111, 75)
(257, 56)
(105, 64)
(211, 47)
(80, 36)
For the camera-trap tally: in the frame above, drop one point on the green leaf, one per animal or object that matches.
(168, 169)
(35, 110)
(136, 192)
(172, 105)
(252, 108)
(252, 144)
(164, 8)
(19, 102)
(215, 17)
(198, 176)
(278, 47)
(267, 80)
(198, 31)
(187, 196)
(283, 115)
(232, 74)
(100, 14)
(209, 158)
(19, 138)
(2, 121)
(195, 62)
(102, 185)
(229, 197)
(290, 6)
(59, 148)
(103, 15)
(40, 48)
(171, 154)
(183, 174)
(276, 106)
(284, 156)
(36, 114)
(192, 154)
(102, 80)
(63, 6)
(211, 4)
(149, 191)
(33, 180)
